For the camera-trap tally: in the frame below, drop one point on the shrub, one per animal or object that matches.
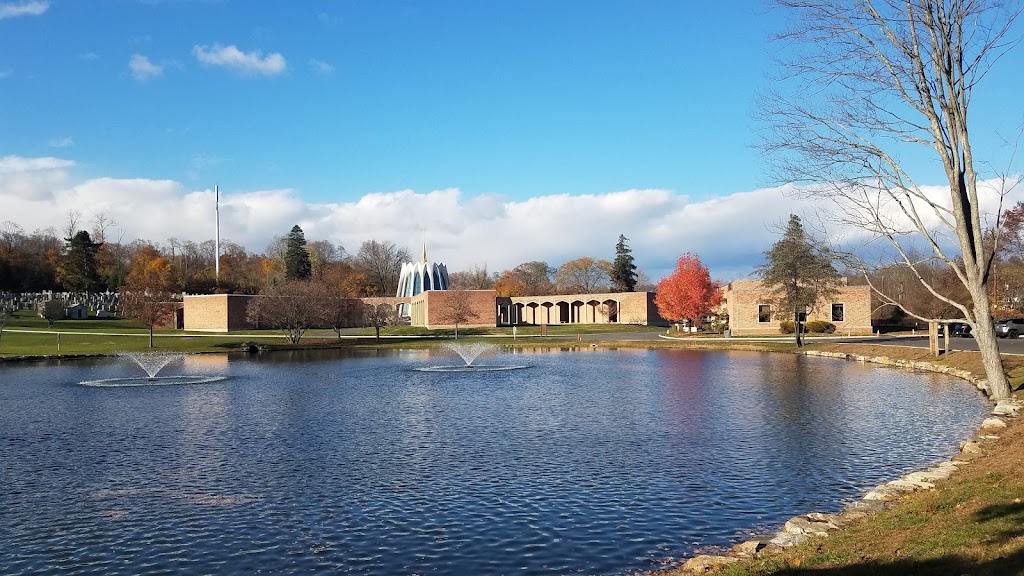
(787, 327)
(820, 327)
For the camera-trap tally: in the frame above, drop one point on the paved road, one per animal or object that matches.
(1006, 345)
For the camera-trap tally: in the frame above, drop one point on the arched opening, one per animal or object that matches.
(610, 310)
(563, 313)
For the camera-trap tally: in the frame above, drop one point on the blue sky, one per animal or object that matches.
(315, 106)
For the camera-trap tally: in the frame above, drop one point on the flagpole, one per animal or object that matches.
(216, 246)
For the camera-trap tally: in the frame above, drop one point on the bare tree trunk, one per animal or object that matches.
(796, 328)
(151, 336)
(985, 336)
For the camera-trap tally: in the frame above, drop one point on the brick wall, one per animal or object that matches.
(216, 312)
(743, 297)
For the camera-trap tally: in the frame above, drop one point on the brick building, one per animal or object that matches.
(216, 312)
(226, 312)
(751, 312)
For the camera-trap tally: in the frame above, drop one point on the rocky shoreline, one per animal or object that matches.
(802, 528)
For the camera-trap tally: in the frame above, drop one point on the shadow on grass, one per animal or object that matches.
(1011, 512)
(946, 566)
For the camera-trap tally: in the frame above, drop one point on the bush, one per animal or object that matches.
(820, 327)
(810, 327)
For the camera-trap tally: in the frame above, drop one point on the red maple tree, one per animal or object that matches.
(688, 293)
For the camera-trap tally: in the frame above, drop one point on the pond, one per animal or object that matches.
(592, 462)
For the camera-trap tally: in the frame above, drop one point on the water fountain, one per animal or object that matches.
(469, 352)
(152, 363)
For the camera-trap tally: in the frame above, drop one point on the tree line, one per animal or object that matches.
(80, 260)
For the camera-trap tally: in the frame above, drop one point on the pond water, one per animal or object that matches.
(583, 462)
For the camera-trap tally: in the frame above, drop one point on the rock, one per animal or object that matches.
(804, 525)
(988, 437)
(787, 540)
(884, 493)
(993, 423)
(704, 563)
(750, 547)
(911, 485)
(852, 515)
(865, 507)
(927, 477)
(970, 448)
(1006, 408)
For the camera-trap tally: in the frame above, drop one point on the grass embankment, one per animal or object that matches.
(972, 523)
(28, 335)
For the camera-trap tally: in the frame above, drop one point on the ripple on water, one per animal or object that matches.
(597, 464)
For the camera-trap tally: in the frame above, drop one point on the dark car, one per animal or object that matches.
(960, 329)
(1010, 328)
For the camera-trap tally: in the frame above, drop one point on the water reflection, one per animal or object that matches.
(309, 461)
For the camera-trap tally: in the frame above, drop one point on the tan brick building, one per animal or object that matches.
(216, 312)
(751, 312)
(226, 312)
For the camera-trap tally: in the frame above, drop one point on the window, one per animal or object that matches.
(764, 313)
(838, 312)
(802, 317)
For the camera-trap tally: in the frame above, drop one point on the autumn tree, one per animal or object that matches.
(292, 306)
(688, 293)
(456, 308)
(77, 269)
(147, 294)
(799, 275)
(322, 255)
(340, 305)
(297, 265)
(583, 275)
(623, 272)
(381, 263)
(863, 85)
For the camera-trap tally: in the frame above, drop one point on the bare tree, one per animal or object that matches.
(476, 278)
(6, 313)
(291, 307)
(381, 263)
(456, 308)
(865, 81)
(379, 316)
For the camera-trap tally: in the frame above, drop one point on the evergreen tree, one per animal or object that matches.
(799, 274)
(623, 270)
(77, 271)
(297, 265)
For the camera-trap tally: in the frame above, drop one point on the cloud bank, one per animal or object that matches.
(730, 233)
(246, 63)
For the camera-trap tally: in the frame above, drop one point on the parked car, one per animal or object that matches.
(1010, 328)
(960, 329)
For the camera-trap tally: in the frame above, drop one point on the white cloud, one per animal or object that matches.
(88, 56)
(5, 72)
(321, 67)
(142, 69)
(248, 63)
(62, 142)
(729, 233)
(23, 9)
(13, 164)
